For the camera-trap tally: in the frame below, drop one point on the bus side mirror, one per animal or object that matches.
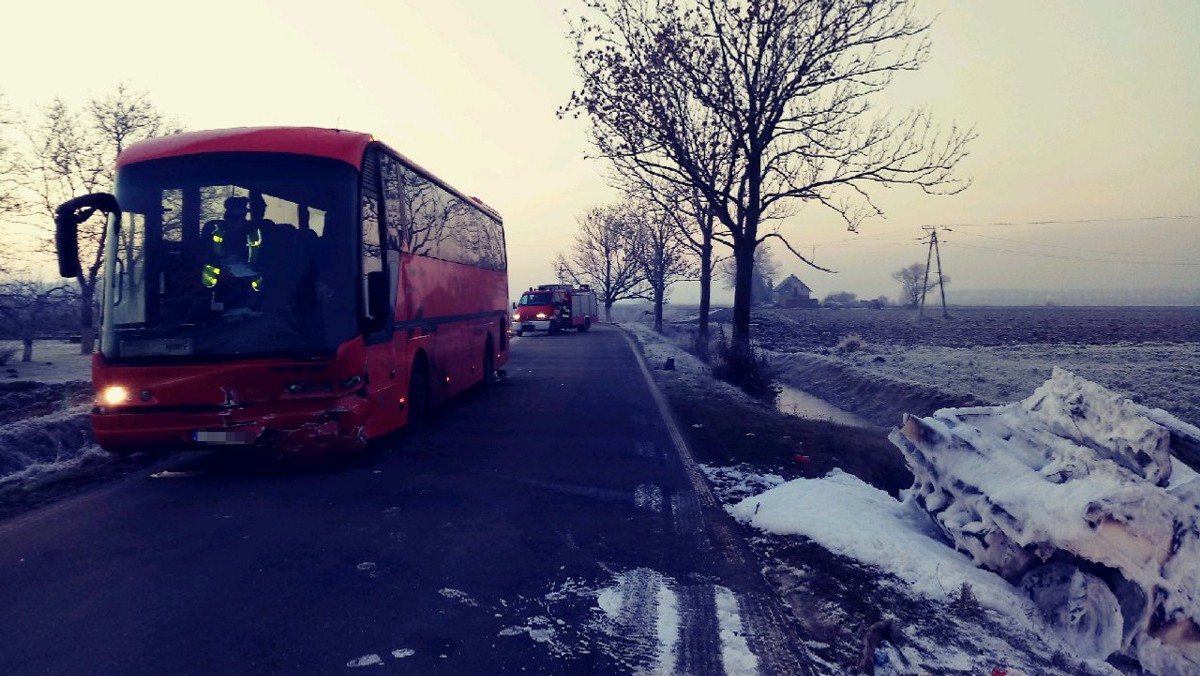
(67, 218)
(378, 299)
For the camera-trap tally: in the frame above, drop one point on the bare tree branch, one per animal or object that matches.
(604, 257)
(757, 104)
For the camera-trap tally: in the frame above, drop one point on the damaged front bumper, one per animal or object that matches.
(289, 428)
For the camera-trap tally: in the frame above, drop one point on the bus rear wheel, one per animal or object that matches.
(489, 366)
(418, 397)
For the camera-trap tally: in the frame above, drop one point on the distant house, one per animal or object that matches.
(792, 292)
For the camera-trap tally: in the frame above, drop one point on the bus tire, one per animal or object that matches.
(520, 333)
(418, 396)
(489, 365)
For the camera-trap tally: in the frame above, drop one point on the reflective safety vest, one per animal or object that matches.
(210, 275)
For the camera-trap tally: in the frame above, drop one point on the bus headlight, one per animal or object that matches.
(115, 395)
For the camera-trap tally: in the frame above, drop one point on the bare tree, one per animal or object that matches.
(660, 250)
(9, 198)
(71, 154)
(687, 208)
(603, 256)
(914, 283)
(779, 90)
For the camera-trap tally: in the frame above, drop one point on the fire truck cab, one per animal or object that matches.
(554, 308)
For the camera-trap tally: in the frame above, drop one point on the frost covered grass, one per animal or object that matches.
(46, 443)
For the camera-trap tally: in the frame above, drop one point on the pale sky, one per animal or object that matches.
(1087, 110)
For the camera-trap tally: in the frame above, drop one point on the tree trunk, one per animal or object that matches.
(659, 292)
(743, 254)
(608, 311)
(705, 300)
(26, 348)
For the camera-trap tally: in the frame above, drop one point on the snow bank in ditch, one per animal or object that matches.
(1064, 510)
(1073, 495)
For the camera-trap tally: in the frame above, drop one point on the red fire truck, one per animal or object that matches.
(555, 307)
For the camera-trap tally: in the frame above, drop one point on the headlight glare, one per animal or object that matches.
(114, 395)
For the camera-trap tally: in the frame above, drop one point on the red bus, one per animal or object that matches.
(300, 289)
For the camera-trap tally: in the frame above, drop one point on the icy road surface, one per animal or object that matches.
(551, 525)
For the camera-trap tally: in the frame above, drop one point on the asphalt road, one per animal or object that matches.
(549, 525)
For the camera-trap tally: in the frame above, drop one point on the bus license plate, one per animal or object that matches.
(223, 436)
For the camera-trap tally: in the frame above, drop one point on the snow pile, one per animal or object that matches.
(1073, 495)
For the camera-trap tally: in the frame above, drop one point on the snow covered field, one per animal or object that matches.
(54, 361)
(1161, 375)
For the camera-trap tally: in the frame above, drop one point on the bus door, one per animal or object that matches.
(379, 272)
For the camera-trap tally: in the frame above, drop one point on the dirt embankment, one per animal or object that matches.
(881, 400)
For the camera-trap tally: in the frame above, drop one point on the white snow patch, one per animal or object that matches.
(610, 601)
(539, 628)
(735, 652)
(648, 497)
(851, 518)
(371, 660)
(403, 653)
(458, 595)
(668, 626)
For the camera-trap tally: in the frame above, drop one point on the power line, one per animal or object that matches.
(1075, 258)
(1057, 246)
(1175, 217)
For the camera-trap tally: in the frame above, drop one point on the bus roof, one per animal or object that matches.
(338, 144)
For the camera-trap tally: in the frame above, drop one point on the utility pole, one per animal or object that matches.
(934, 251)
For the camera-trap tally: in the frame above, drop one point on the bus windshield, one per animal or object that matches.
(231, 255)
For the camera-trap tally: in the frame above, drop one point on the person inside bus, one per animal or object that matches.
(231, 271)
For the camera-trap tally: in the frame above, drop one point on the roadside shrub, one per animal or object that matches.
(752, 373)
(6, 354)
(965, 604)
(850, 343)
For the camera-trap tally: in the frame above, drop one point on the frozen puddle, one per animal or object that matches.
(804, 405)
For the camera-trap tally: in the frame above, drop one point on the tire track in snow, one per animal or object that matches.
(764, 627)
